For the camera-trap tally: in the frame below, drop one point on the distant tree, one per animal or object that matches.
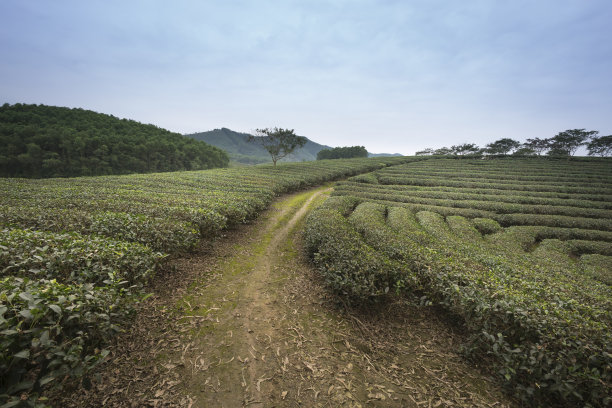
(600, 146)
(278, 142)
(537, 145)
(443, 151)
(465, 149)
(425, 152)
(557, 152)
(342, 153)
(502, 146)
(524, 151)
(566, 143)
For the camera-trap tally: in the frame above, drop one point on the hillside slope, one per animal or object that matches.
(51, 141)
(240, 150)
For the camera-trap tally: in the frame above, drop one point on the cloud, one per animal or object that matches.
(391, 75)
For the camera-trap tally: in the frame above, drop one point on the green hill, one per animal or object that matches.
(240, 150)
(50, 141)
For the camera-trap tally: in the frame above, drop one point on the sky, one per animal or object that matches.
(392, 75)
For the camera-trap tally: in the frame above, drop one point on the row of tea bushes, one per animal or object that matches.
(496, 206)
(503, 196)
(597, 198)
(73, 258)
(475, 183)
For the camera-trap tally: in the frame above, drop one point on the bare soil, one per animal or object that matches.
(248, 322)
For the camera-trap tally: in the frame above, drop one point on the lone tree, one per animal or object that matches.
(502, 146)
(600, 146)
(278, 142)
(566, 143)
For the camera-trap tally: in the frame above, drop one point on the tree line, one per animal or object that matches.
(342, 153)
(565, 143)
(47, 141)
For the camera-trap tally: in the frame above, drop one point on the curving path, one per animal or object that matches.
(255, 327)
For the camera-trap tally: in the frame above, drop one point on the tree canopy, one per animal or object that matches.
(537, 145)
(567, 142)
(278, 142)
(342, 153)
(600, 146)
(502, 146)
(464, 149)
(425, 152)
(50, 141)
(443, 151)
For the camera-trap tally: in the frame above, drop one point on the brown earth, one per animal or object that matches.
(249, 323)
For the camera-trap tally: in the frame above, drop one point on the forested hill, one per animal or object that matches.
(50, 141)
(240, 150)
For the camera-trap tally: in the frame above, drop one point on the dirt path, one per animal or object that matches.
(257, 328)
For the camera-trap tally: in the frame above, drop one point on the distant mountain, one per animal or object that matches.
(240, 150)
(384, 154)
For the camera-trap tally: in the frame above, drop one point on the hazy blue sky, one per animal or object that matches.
(395, 76)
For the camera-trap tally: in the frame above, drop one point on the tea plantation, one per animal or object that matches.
(518, 251)
(75, 254)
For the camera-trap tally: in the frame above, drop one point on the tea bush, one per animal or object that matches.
(51, 330)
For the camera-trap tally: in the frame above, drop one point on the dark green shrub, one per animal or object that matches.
(50, 331)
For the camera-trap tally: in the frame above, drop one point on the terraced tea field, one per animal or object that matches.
(518, 250)
(75, 252)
